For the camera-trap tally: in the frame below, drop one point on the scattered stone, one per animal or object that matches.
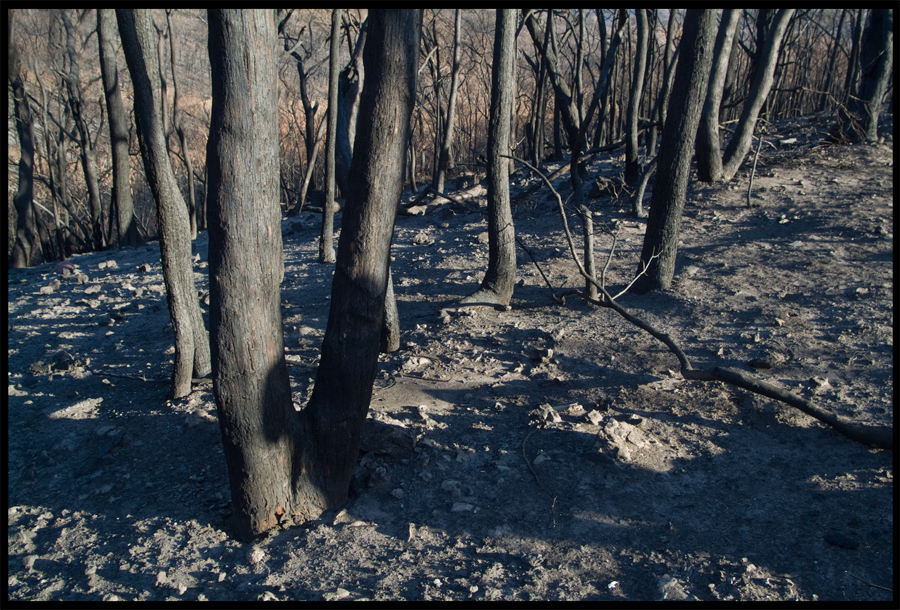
(594, 417)
(859, 293)
(268, 596)
(545, 413)
(422, 239)
(92, 289)
(461, 507)
(145, 267)
(820, 384)
(64, 267)
(671, 589)
(338, 594)
(483, 237)
(452, 487)
(256, 556)
(542, 457)
(50, 288)
(81, 278)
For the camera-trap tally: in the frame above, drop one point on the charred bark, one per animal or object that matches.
(192, 355)
(497, 286)
(674, 159)
(122, 201)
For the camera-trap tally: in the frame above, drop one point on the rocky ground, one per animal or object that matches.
(558, 453)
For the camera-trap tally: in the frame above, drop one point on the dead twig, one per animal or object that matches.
(881, 437)
(865, 582)
(541, 271)
(538, 479)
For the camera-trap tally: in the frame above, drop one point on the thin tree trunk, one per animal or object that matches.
(350, 83)
(860, 119)
(88, 161)
(326, 239)
(444, 158)
(853, 62)
(709, 152)
(179, 130)
(632, 156)
(118, 131)
(671, 57)
(192, 355)
(22, 201)
(497, 286)
(674, 159)
(759, 91)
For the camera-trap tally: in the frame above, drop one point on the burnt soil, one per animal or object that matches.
(633, 485)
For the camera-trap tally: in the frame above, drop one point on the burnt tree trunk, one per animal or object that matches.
(709, 150)
(859, 121)
(326, 239)
(24, 119)
(497, 286)
(286, 466)
(179, 130)
(759, 90)
(88, 158)
(632, 156)
(350, 82)
(122, 201)
(676, 150)
(447, 141)
(192, 355)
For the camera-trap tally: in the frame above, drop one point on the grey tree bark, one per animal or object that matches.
(674, 158)
(447, 142)
(122, 201)
(85, 143)
(179, 130)
(284, 466)
(709, 152)
(497, 286)
(326, 239)
(24, 118)
(759, 90)
(859, 120)
(632, 158)
(350, 83)
(192, 353)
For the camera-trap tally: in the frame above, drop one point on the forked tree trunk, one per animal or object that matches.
(709, 151)
(497, 285)
(286, 466)
(192, 356)
(122, 201)
(759, 90)
(674, 158)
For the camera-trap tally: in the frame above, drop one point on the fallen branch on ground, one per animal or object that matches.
(881, 437)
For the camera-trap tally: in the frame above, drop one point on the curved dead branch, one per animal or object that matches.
(880, 437)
